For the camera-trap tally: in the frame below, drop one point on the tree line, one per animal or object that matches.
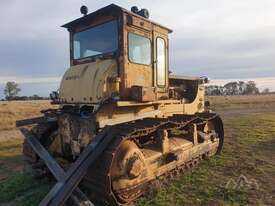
(12, 91)
(235, 88)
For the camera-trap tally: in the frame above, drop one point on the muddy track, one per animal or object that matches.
(99, 180)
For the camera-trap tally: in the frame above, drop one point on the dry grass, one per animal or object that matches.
(245, 101)
(15, 110)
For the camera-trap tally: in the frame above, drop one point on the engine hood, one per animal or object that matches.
(87, 83)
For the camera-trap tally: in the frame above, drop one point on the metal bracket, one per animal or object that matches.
(37, 120)
(195, 134)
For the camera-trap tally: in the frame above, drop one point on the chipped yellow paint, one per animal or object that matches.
(88, 83)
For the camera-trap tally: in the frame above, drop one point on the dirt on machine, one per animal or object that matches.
(120, 88)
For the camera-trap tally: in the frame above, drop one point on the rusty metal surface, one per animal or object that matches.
(37, 120)
(133, 150)
(63, 189)
(55, 168)
(142, 94)
(110, 9)
(131, 74)
(99, 180)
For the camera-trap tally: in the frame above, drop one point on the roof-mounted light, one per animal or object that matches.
(143, 12)
(84, 10)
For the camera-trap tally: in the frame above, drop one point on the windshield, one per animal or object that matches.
(97, 40)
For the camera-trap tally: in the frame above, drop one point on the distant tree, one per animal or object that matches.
(214, 90)
(35, 97)
(11, 90)
(242, 86)
(266, 91)
(20, 98)
(251, 88)
(231, 88)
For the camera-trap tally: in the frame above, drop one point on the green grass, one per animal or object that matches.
(22, 189)
(197, 188)
(249, 150)
(33, 198)
(16, 184)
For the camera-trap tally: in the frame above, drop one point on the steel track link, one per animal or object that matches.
(99, 179)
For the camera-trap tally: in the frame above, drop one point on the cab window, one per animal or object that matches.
(161, 62)
(139, 49)
(97, 40)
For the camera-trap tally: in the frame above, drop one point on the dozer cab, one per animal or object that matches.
(120, 87)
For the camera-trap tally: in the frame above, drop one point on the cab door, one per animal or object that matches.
(138, 59)
(161, 63)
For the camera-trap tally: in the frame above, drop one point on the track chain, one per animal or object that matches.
(98, 181)
(101, 184)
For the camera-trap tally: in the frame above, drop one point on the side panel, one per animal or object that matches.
(115, 114)
(88, 83)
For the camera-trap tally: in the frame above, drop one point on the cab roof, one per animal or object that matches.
(111, 9)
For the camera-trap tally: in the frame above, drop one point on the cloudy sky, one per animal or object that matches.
(220, 39)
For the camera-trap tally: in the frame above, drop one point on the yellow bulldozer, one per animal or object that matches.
(124, 122)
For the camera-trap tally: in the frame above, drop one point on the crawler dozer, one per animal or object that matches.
(124, 122)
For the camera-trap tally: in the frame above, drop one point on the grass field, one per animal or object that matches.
(12, 111)
(245, 101)
(249, 155)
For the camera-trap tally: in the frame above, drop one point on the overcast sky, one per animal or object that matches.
(220, 39)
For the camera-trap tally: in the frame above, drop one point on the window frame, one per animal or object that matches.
(165, 65)
(128, 52)
(79, 60)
